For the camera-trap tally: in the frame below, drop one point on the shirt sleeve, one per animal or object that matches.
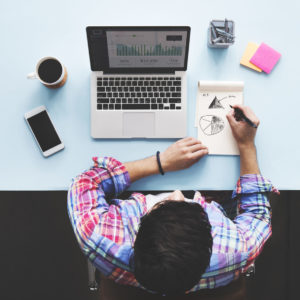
(98, 220)
(253, 221)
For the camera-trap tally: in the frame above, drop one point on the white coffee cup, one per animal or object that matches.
(50, 72)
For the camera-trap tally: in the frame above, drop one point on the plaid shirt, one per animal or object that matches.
(106, 227)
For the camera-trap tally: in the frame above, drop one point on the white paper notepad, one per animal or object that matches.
(213, 103)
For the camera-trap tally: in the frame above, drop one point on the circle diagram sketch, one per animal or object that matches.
(211, 125)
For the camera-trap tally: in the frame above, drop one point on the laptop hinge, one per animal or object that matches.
(139, 72)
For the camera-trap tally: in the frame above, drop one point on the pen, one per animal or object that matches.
(238, 114)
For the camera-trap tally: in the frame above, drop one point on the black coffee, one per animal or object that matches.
(50, 70)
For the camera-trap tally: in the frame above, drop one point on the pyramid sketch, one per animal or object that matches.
(216, 103)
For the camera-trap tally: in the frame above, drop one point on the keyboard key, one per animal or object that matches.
(116, 95)
(143, 89)
(112, 100)
(165, 100)
(147, 78)
(134, 83)
(123, 83)
(125, 89)
(149, 89)
(161, 89)
(166, 107)
(140, 83)
(169, 83)
(99, 83)
(117, 78)
(154, 78)
(139, 95)
(117, 83)
(99, 106)
(135, 78)
(105, 83)
(105, 78)
(141, 78)
(166, 78)
(108, 89)
(135, 100)
(136, 106)
(172, 78)
(156, 95)
(154, 88)
(177, 83)
(178, 78)
(118, 106)
(129, 78)
(111, 83)
(178, 107)
(124, 100)
(121, 95)
(105, 106)
(109, 94)
(176, 95)
(162, 95)
(166, 89)
(131, 89)
(172, 88)
(168, 95)
(174, 100)
(111, 106)
(160, 106)
(152, 82)
(147, 100)
(172, 106)
(157, 83)
(130, 100)
(137, 89)
(101, 89)
(144, 95)
(127, 95)
(118, 100)
(128, 83)
(153, 106)
(164, 83)
(146, 83)
(150, 95)
(132, 95)
(120, 89)
(114, 89)
(102, 100)
(178, 89)
(159, 100)
(159, 78)
(153, 100)
(142, 100)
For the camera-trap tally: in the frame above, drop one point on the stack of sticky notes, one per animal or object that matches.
(260, 58)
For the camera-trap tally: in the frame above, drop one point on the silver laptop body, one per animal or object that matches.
(138, 81)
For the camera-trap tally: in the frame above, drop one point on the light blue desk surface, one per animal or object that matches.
(33, 29)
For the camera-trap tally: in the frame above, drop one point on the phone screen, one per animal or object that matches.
(44, 131)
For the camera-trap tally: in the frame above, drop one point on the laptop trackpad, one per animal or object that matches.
(138, 124)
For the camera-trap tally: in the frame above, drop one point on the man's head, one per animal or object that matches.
(172, 247)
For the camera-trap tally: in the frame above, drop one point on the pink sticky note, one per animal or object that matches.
(265, 58)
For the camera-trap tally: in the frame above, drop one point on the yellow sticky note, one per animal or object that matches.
(249, 52)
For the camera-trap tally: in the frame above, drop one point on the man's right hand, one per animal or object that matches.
(243, 133)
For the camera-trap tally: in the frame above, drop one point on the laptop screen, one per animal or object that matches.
(138, 49)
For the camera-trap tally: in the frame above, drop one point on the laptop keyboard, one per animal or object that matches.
(142, 93)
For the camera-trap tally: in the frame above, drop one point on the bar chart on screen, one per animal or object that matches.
(130, 49)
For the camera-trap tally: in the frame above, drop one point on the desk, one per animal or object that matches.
(32, 29)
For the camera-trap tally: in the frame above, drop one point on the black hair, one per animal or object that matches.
(173, 247)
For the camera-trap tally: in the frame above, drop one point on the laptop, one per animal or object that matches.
(138, 81)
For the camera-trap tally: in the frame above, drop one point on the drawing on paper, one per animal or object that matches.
(216, 103)
(211, 125)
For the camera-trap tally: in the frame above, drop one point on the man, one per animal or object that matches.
(166, 243)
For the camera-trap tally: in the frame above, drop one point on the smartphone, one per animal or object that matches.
(43, 131)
